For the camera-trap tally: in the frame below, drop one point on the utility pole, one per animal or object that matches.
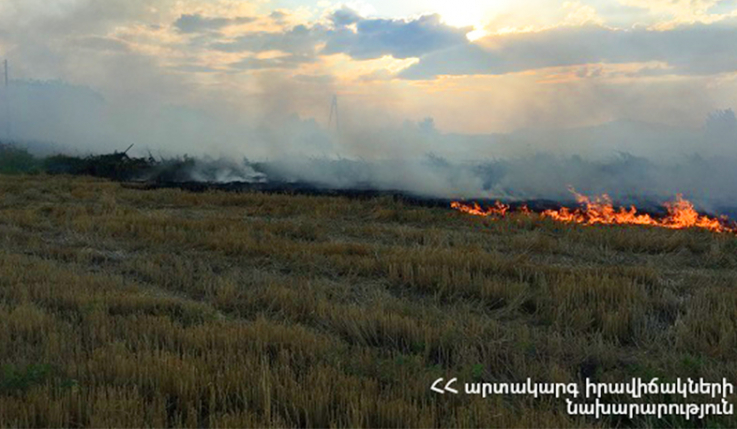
(7, 103)
(334, 113)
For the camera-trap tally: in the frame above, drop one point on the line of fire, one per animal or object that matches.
(600, 210)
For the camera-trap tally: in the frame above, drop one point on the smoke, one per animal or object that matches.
(622, 110)
(219, 83)
(223, 171)
(628, 160)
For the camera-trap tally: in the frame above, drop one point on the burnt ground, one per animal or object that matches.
(644, 205)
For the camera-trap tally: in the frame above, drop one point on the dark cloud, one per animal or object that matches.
(696, 49)
(345, 16)
(278, 16)
(197, 23)
(374, 38)
(298, 40)
(371, 38)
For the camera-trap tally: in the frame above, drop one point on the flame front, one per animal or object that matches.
(681, 214)
(499, 209)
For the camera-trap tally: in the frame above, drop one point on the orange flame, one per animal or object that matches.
(499, 209)
(601, 211)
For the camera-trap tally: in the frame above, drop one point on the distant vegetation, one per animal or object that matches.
(121, 308)
(15, 159)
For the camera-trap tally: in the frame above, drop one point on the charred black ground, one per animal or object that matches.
(149, 173)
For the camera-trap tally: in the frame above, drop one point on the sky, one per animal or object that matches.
(472, 66)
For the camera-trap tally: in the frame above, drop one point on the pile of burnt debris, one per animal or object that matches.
(119, 166)
(195, 176)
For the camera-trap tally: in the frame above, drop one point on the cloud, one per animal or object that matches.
(377, 75)
(75, 17)
(283, 62)
(103, 44)
(345, 16)
(145, 54)
(193, 68)
(197, 23)
(687, 9)
(696, 49)
(581, 14)
(358, 37)
(322, 79)
(298, 40)
(374, 38)
(723, 7)
(279, 16)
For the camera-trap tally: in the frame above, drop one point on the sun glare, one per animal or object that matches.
(462, 13)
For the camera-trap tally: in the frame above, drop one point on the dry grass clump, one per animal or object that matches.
(164, 308)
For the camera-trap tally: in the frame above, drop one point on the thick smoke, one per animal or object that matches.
(631, 161)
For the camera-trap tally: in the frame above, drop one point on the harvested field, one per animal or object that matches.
(129, 308)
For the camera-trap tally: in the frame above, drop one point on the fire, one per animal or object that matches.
(681, 214)
(499, 209)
